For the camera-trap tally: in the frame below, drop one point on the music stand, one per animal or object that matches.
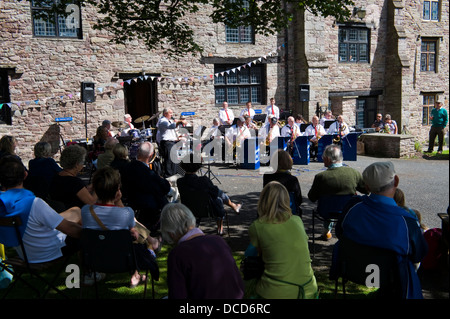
(327, 123)
(303, 127)
(208, 169)
(259, 117)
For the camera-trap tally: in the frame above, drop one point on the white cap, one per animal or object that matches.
(378, 174)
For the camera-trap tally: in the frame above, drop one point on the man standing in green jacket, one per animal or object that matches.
(439, 119)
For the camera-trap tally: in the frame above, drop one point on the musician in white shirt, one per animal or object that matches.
(272, 109)
(291, 129)
(237, 133)
(316, 131)
(270, 130)
(339, 127)
(167, 137)
(226, 116)
(248, 110)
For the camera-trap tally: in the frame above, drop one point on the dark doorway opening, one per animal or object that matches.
(141, 97)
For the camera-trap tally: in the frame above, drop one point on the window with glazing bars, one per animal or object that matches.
(239, 87)
(430, 10)
(353, 44)
(428, 55)
(48, 23)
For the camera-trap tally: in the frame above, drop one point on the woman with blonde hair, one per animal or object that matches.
(280, 239)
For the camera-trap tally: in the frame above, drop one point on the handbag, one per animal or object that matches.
(252, 267)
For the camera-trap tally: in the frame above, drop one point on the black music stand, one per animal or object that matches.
(327, 123)
(259, 117)
(209, 172)
(303, 127)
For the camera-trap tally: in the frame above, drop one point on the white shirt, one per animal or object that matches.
(223, 118)
(276, 111)
(41, 239)
(166, 130)
(212, 132)
(235, 133)
(286, 131)
(250, 112)
(310, 130)
(265, 132)
(334, 128)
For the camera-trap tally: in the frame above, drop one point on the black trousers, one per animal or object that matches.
(170, 168)
(439, 132)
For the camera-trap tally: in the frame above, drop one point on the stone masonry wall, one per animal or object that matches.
(45, 75)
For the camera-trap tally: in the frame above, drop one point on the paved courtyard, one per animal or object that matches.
(425, 183)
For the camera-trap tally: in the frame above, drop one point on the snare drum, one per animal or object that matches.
(146, 133)
(134, 133)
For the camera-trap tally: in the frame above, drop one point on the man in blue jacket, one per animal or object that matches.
(376, 220)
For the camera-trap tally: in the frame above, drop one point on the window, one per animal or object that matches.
(5, 109)
(431, 10)
(353, 44)
(241, 86)
(366, 110)
(47, 23)
(428, 105)
(428, 55)
(240, 34)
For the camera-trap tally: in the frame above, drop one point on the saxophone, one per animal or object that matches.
(337, 139)
(268, 138)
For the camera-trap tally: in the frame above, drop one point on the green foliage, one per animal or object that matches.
(163, 24)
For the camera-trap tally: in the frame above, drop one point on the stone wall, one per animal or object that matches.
(45, 75)
(388, 145)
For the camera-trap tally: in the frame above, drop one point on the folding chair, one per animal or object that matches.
(110, 251)
(11, 237)
(201, 205)
(360, 264)
(329, 208)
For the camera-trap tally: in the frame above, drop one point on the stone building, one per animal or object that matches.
(391, 57)
(42, 69)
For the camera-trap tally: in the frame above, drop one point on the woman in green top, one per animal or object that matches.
(281, 240)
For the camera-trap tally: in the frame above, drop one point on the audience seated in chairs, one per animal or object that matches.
(43, 165)
(107, 157)
(8, 146)
(66, 186)
(376, 220)
(192, 182)
(280, 239)
(283, 176)
(144, 190)
(199, 266)
(121, 159)
(110, 214)
(46, 234)
(98, 142)
(337, 179)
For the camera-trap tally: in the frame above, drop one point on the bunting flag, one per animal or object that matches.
(109, 88)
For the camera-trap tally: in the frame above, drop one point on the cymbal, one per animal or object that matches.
(154, 116)
(141, 119)
(119, 124)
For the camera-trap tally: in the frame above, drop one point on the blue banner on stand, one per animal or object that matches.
(350, 147)
(251, 154)
(300, 154)
(324, 141)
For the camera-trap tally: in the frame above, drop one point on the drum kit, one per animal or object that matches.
(134, 136)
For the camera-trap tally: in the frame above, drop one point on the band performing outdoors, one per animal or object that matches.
(247, 140)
